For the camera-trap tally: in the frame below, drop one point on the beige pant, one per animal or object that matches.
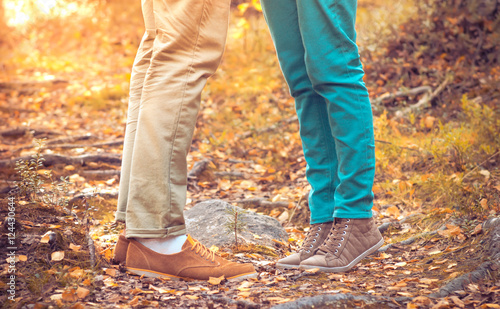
(181, 48)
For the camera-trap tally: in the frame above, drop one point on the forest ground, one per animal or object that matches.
(437, 185)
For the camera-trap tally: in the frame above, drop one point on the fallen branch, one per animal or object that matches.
(198, 168)
(257, 202)
(403, 93)
(19, 132)
(428, 97)
(230, 174)
(339, 301)
(484, 270)
(240, 304)
(101, 173)
(410, 240)
(52, 159)
(92, 195)
(268, 129)
(97, 145)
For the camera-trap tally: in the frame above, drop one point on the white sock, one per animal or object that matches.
(166, 245)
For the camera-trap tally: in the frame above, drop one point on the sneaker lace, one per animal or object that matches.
(334, 240)
(203, 251)
(311, 238)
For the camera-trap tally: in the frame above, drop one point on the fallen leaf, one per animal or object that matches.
(57, 256)
(75, 247)
(484, 203)
(46, 237)
(134, 301)
(457, 301)
(76, 272)
(435, 252)
(22, 258)
(427, 280)
(192, 297)
(422, 300)
(82, 292)
(401, 264)
(244, 294)
(393, 211)
(278, 300)
(478, 229)
(55, 296)
(335, 277)
(312, 270)
(69, 295)
(215, 280)
(110, 272)
(442, 304)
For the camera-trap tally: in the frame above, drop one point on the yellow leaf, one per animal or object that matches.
(244, 294)
(192, 297)
(57, 256)
(69, 168)
(215, 281)
(434, 252)
(401, 264)
(393, 211)
(22, 258)
(312, 270)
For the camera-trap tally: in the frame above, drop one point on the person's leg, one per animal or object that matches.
(317, 140)
(189, 42)
(139, 69)
(187, 49)
(334, 67)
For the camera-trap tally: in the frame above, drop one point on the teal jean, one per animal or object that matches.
(316, 45)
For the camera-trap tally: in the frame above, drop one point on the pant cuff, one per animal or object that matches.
(120, 216)
(156, 233)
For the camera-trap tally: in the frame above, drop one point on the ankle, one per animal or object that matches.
(164, 245)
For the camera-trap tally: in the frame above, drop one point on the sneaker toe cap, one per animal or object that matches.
(315, 260)
(293, 259)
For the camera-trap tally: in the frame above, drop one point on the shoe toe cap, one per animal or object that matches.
(315, 260)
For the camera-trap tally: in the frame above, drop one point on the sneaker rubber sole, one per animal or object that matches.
(348, 266)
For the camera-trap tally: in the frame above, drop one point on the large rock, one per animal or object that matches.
(207, 220)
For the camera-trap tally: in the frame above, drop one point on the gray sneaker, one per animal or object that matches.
(315, 237)
(349, 242)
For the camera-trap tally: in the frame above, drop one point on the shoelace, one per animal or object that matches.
(311, 238)
(203, 251)
(336, 237)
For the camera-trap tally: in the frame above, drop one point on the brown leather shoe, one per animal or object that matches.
(195, 261)
(349, 241)
(315, 237)
(121, 247)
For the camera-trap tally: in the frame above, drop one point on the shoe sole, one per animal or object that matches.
(348, 266)
(155, 274)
